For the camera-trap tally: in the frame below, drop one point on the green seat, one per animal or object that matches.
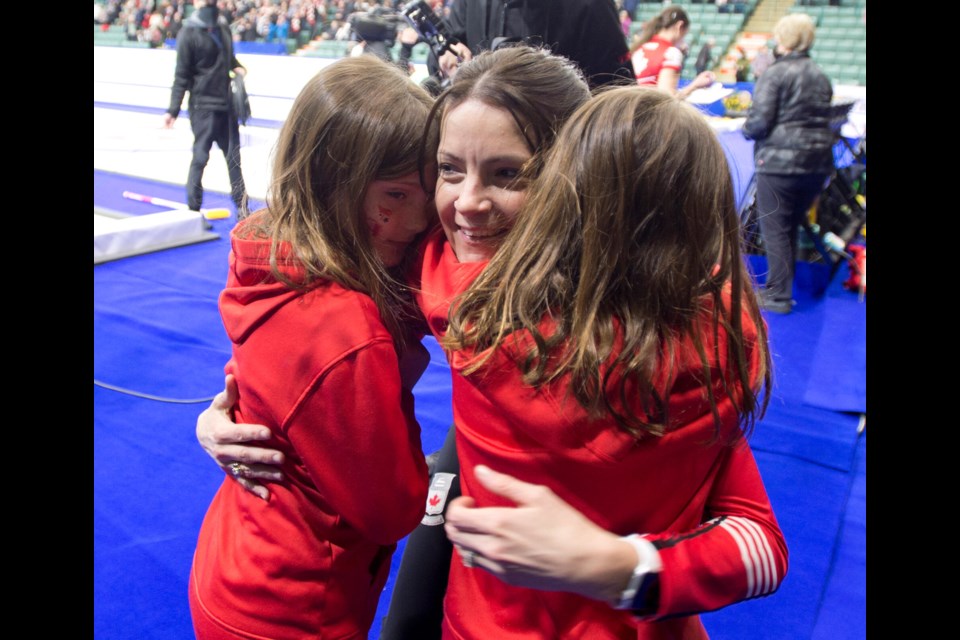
(109, 39)
(825, 57)
(329, 49)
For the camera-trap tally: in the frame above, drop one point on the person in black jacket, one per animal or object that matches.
(587, 32)
(790, 122)
(205, 59)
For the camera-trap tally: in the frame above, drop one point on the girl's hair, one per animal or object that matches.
(539, 89)
(670, 16)
(357, 120)
(626, 260)
(795, 32)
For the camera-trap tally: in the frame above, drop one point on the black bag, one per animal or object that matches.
(241, 102)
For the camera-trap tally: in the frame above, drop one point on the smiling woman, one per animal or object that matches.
(479, 191)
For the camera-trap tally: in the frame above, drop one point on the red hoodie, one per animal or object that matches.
(318, 368)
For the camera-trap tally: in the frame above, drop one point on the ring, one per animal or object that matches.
(467, 557)
(237, 469)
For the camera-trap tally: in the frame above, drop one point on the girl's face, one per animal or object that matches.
(481, 153)
(396, 211)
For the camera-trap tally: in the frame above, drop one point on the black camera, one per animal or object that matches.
(378, 25)
(429, 27)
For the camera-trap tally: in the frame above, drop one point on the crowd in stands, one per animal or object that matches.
(159, 21)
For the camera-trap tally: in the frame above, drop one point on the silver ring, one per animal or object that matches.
(237, 469)
(468, 557)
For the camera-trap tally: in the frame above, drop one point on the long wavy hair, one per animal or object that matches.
(357, 120)
(539, 89)
(626, 255)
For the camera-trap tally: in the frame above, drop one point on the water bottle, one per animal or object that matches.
(834, 242)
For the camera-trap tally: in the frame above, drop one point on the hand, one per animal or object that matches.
(227, 443)
(168, 121)
(542, 543)
(240, 71)
(704, 79)
(409, 36)
(451, 61)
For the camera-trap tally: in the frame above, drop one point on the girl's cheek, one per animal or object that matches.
(377, 223)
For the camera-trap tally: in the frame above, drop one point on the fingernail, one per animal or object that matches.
(482, 470)
(277, 457)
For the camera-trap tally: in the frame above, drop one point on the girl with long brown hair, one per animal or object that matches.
(315, 312)
(612, 356)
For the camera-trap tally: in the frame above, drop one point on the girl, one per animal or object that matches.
(318, 320)
(612, 354)
(657, 55)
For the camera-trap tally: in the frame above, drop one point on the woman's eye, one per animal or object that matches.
(509, 174)
(397, 195)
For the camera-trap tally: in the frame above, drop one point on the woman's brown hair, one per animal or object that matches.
(540, 90)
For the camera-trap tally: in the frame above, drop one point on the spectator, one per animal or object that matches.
(761, 62)
(742, 73)
(205, 59)
(790, 122)
(658, 54)
(705, 57)
(625, 22)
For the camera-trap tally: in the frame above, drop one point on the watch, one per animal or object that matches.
(645, 574)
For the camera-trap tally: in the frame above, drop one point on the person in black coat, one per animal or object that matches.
(587, 32)
(790, 122)
(205, 58)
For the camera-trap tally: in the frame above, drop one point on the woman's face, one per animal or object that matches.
(396, 211)
(481, 153)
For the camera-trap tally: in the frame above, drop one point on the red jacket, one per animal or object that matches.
(319, 368)
(704, 506)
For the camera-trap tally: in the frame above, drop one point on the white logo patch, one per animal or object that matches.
(437, 498)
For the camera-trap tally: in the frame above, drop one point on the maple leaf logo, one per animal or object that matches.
(434, 500)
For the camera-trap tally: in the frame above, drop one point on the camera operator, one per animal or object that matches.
(376, 30)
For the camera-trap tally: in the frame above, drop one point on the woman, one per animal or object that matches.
(312, 306)
(790, 122)
(658, 54)
(612, 351)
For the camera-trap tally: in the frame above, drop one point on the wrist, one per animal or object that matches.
(643, 576)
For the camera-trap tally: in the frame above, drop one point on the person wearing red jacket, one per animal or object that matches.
(323, 356)
(657, 55)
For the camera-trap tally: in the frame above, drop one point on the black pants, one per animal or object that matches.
(209, 127)
(782, 203)
(416, 606)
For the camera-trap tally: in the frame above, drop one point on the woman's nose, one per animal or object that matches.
(473, 198)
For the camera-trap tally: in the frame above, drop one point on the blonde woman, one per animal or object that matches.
(789, 121)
